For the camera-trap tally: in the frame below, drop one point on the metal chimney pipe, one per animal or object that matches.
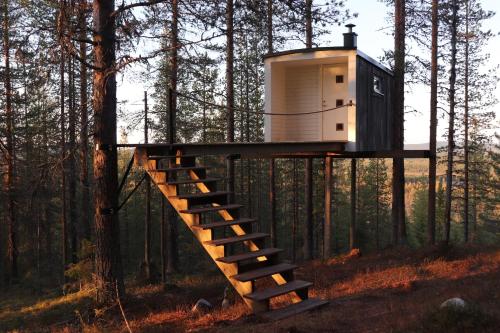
(350, 37)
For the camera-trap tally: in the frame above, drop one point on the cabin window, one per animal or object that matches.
(340, 127)
(339, 79)
(377, 85)
(339, 103)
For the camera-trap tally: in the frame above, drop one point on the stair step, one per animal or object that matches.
(190, 181)
(223, 223)
(236, 239)
(249, 255)
(202, 195)
(210, 209)
(278, 290)
(263, 272)
(294, 309)
(187, 168)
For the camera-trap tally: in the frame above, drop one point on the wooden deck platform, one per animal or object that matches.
(335, 149)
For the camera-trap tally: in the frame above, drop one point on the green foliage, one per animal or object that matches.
(82, 271)
(418, 222)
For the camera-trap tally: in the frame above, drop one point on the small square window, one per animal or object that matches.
(377, 85)
(339, 102)
(339, 79)
(340, 127)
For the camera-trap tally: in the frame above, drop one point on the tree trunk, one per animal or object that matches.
(146, 265)
(272, 182)
(309, 29)
(431, 209)
(352, 226)
(64, 222)
(171, 252)
(72, 163)
(108, 270)
(10, 215)
(230, 94)
(451, 124)
(84, 141)
(398, 183)
(466, 127)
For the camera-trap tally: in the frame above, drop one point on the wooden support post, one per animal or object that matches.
(163, 247)
(328, 208)
(171, 117)
(352, 226)
(308, 230)
(272, 202)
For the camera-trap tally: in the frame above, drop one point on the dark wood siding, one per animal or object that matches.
(373, 111)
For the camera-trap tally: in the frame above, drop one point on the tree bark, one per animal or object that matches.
(272, 166)
(451, 123)
(10, 215)
(109, 275)
(72, 175)
(171, 253)
(62, 119)
(230, 93)
(398, 182)
(309, 29)
(466, 126)
(147, 218)
(431, 209)
(84, 141)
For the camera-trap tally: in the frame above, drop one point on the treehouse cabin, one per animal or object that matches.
(329, 94)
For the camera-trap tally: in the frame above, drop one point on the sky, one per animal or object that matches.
(372, 28)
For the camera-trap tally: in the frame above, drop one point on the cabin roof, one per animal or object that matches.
(331, 48)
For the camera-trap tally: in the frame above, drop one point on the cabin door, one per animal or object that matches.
(335, 94)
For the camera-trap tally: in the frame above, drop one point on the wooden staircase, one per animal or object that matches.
(254, 263)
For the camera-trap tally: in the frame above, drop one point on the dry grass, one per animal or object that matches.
(394, 291)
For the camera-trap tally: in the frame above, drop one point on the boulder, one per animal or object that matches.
(202, 306)
(455, 302)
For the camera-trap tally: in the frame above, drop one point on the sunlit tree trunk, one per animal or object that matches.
(431, 210)
(108, 270)
(451, 123)
(398, 182)
(9, 215)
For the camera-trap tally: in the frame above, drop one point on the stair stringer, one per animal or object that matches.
(229, 270)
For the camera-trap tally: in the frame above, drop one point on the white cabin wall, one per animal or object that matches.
(351, 121)
(293, 85)
(274, 126)
(302, 95)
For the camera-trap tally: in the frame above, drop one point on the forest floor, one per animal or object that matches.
(392, 291)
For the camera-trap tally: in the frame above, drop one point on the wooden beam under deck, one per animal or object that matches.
(334, 149)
